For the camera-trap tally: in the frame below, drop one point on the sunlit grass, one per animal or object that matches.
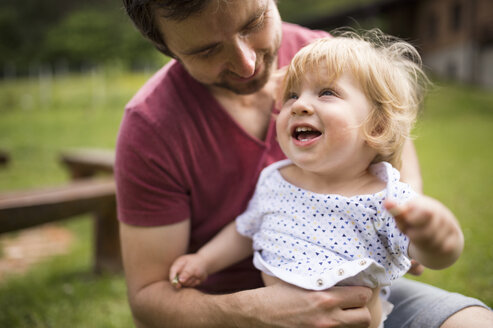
(454, 146)
(34, 128)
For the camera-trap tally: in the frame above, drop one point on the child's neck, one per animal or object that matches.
(358, 181)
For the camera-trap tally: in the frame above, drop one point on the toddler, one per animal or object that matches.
(335, 212)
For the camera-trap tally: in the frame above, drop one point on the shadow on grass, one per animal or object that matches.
(63, 292)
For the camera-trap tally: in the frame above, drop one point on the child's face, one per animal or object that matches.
(319, 125)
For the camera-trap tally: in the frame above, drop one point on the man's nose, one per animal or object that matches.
(242, 59)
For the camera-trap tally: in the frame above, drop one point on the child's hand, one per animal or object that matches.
(416, 268)
(188, 271)
(435, 235)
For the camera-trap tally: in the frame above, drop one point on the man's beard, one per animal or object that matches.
(257, 83)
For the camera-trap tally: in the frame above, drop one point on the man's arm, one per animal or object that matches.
(225, 249)
(148, 253)
(410, 171)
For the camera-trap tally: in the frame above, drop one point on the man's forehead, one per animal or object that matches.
(219, 18)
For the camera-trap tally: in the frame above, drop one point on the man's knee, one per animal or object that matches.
(473, 316)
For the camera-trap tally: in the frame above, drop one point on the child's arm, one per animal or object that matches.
(436, 240)
(225, 249)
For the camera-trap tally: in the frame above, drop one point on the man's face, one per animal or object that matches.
(231, 44)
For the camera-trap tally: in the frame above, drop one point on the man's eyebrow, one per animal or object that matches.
(258, 13)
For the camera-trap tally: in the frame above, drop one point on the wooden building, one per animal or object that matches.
(455, 37)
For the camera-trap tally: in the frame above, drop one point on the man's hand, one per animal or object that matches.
(283, 305)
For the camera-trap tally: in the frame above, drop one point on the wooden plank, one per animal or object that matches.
(83, 163)
(19, 210)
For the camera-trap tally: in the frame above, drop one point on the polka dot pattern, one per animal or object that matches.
(302, 236)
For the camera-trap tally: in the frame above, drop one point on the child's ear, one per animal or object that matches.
(376, 122)
(378, 130)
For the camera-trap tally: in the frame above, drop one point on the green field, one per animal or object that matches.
(43, 115)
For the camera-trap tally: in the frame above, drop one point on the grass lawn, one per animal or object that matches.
(454, 146)
(40, 117)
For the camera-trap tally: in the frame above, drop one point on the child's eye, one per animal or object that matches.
(327, 92)
(291, 95)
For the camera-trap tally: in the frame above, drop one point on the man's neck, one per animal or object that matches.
(227, 96)
(252, 112)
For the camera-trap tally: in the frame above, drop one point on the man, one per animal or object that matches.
(192, 143)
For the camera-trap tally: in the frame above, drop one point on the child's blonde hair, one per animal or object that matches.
(390, 75)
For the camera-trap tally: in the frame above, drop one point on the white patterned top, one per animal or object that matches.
(316, 241)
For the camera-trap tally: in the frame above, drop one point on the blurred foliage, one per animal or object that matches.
(297, 12)
(73, 35)
(69, 35)
(109, 36)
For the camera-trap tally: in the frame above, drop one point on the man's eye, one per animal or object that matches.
(207, 53)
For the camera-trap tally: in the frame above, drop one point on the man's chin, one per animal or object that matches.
(244, 88)
(241, 89)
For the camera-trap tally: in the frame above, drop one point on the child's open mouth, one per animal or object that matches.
(305, 133)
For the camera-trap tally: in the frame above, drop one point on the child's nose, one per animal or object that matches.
(301, 107)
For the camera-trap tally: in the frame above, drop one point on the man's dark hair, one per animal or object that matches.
(143, 14)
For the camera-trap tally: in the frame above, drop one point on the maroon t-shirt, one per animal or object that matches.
(180, 155)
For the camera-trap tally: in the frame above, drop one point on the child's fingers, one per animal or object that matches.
(184, 279)
(187, 271)
(416, 268)
(194, 282)
(175, 268)
(415, 217)
(176, 274)
(187, 279)
(173, 271)
(398, 212)
(393, 208)
(175, 282)
(414, 214)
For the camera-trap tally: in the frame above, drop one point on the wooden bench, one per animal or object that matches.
(4, 158)
(84, 194)
(86, 163)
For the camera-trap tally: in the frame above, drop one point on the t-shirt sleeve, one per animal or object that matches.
(294, 38)
(150, 190)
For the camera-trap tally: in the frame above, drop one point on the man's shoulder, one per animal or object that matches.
(157, 87)
(295, 37)
(160, 106)
(298, 31)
